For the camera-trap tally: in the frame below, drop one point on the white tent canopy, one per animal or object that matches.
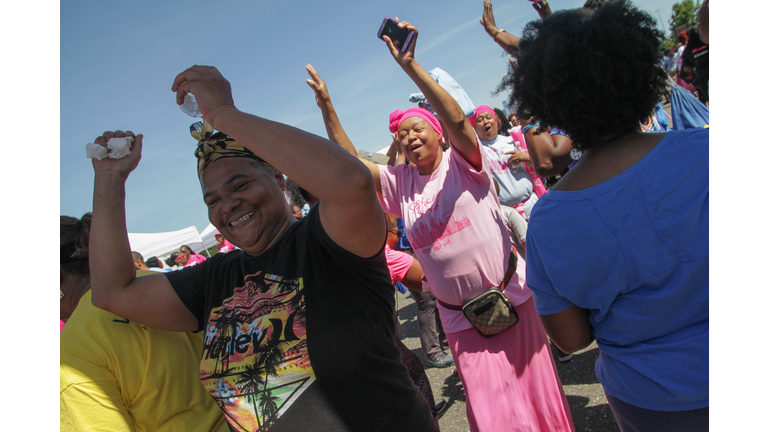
(163, 244)
(209, 236)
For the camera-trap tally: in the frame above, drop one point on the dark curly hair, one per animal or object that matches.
(171, 259)
(504, 123)
(593, 73)
(594, 4)
(73, 240)
(152, 262)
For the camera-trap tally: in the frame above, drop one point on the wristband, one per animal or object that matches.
(497, 33)
(527, 128)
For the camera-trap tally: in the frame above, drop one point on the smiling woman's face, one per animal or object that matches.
(421, 143)
(245, 202)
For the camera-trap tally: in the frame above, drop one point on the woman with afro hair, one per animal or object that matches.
(618, 250)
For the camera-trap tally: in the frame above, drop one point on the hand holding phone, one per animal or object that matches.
(400, 37)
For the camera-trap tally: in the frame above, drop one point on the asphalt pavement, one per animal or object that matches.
(586, 399)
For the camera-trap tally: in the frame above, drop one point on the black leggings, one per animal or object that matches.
(632, 418)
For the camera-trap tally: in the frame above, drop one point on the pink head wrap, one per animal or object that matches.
(397, 116)
(479, 110)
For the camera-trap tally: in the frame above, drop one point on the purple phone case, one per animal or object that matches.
(407, 41)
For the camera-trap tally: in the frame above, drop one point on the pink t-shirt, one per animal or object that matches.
(398, 263)
(453, 220)
(225, 247)
(194, 259)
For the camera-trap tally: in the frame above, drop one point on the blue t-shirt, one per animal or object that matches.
(634, 252)
(557, 131)
(661, 117)
(402, 242)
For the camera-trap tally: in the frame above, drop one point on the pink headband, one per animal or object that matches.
(397, 116)
(479, 110)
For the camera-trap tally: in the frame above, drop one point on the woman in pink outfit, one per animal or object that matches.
(192, 258)
(508, 154)
(224, 244)
(453, 220)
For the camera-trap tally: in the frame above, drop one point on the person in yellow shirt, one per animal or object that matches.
(116, 374)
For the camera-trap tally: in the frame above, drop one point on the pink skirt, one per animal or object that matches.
(510, 379)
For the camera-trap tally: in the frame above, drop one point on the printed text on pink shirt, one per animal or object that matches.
(429, 230)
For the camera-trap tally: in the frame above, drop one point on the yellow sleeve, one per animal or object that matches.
(94, 406)
(89, 393)
(117, 375)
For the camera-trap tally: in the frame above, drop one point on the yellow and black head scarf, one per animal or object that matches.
(213, 146)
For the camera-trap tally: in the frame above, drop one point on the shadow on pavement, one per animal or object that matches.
(409, 325)
(597, 418)
(453, 390)
(579, 370)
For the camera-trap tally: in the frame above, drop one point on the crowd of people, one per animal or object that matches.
(688, 63)
(567, 222)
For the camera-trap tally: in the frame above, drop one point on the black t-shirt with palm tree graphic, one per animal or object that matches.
(301, 337)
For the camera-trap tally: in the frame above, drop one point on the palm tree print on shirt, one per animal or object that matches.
(255, 361)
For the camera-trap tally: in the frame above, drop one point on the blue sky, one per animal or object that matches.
(118, 60)
(116, 64)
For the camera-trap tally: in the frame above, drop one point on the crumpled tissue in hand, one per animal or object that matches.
(118, 148)
(95, 151)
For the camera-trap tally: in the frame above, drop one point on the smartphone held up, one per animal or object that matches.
(400, 37)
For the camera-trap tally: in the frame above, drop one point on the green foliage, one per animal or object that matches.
(667, 43)
(684, 14)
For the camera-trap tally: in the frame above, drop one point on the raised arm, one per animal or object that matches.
(506, 40)
(542, 8)
(333, 127)
(350, 211)
(550, 154)
(149, 300)
(455, 124)
(393, 152)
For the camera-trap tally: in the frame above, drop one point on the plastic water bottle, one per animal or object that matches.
(518, 165)
(189, 107)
